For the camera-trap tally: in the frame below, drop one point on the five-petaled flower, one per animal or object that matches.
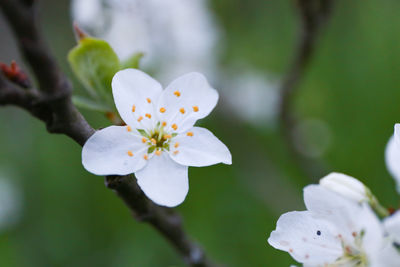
(334, 231)
(159, 141)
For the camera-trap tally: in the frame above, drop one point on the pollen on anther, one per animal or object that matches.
(148, 100)
(158, 152)
(167, 136)
(164, 123)
(154, 141)
(144, 139)
(174, 126)
(140, 118)
(146, 157)
(148, 115)
(176, 145)
(128, 128)
(133, 108)
(182, 110)
(130, 154)
(177, 93)
(195, 108)
(176, 152)
(162, 110)
(189, 134)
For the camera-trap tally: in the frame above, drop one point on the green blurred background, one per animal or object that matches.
(64, 216)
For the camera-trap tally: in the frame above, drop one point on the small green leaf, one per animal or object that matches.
(94, 62)
(143, 133)
(151, 149)
(86, 103)
(132, 62)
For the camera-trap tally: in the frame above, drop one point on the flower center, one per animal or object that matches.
(157, 139)
(352, 255)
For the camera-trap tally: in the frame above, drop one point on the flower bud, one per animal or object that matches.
(346, 186)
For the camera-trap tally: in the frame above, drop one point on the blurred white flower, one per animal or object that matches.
(10, 203)
(346, 186)
(334, 231)
(252, 96)
(392, 155)
(392, 226)
(160, 141)
(176, 36)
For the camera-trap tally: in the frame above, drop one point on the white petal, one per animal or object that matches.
(344, 213)
(308, 240)
(164, 181)
(106, 152)
(392, 158)
(133, 87)
(388, 256)
(185, 100)
(392, 226)
(199, 149)
(345, 185)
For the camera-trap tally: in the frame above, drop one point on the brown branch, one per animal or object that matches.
(52, 104)
(313, 16)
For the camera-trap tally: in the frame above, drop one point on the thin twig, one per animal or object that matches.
(313, 16)
(52, 104)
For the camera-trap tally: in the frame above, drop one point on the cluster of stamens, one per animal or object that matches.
(158, 139)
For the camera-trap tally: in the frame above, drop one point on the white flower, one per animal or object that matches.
(175, 35)
(159, 141)
(392, 155)
(333, 231)
(345, 185)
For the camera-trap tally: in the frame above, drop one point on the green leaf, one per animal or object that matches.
(151, 149)
(94, 62)
(143, 133)
(83, 102)
(132, 62)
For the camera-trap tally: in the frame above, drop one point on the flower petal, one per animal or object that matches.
(199, 147)
(392, 158)
(113, 150)
(185, 100)
(164, 181)
(309, 240)
(392, 226)
(135, 94)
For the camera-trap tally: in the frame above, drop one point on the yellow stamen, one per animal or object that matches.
(146, 157)
(167, 136)
(140, 118)
(174, 126)
(189, 133)
(130, 153)
(164, 123)
(144, 140)
(154, 141)
(182, 110)
(158, 152)
(148, 100)
(195, 108)
(128, 128)
(162, 110)
(177, 93)
(176, 152)
(133, 108)
(176, 145)
(148, 115)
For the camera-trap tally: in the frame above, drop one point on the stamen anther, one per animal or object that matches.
(177, 93)
(140, 118)
(146, 157)
(176, 152)
(128, 128)
(164, 123)
(176, 145)
(189, 134)
(167, 136)
(148, 100)
(174, 126)
(182, 110)
(144, 140)
(195, 108)
(158, 152)
(130, 154)
(148, 115)
(162, 110)
(133, 108)
(154, 141)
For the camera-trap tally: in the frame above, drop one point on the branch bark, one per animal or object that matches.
(313, 16)
(52, 104)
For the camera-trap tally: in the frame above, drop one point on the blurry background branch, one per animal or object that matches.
(52, 104)
(313, 15)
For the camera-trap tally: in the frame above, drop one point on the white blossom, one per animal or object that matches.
(392, 155)
(159, 142)
(334, 231)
